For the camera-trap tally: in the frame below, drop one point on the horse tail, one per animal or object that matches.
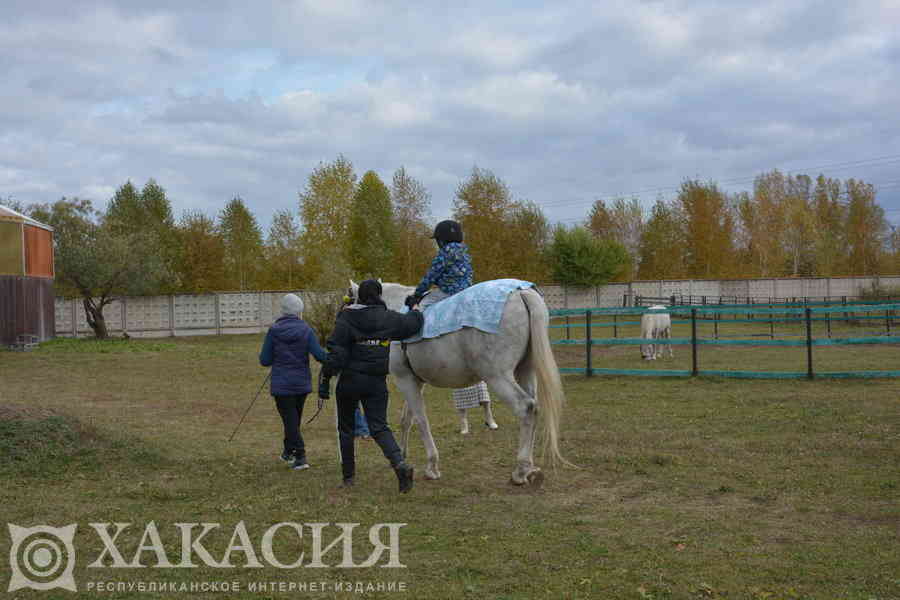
(550, 397)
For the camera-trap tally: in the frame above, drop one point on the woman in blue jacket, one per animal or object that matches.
(287, 347)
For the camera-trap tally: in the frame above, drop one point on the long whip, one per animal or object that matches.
(251, 405)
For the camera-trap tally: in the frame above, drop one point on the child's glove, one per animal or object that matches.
(412, 300)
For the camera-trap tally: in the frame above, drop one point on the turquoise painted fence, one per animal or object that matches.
(802, 314)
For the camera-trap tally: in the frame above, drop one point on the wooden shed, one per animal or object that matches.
(26, 278)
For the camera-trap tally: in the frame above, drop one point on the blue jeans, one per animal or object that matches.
(361, 427)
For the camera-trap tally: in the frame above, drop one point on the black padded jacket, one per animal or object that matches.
(361, 338)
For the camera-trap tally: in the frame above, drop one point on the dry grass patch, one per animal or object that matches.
(687, 488)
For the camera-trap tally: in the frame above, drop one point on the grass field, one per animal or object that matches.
(688, 488)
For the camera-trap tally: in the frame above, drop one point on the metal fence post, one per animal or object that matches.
(694, 342)
(587, 341)
(716, 325)
(124, 315)
(809, 359)
(771, 323)
(615, 326)
(568, 332)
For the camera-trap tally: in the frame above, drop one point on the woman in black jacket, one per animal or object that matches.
(358, 349)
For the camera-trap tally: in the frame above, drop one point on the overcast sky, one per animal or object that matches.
(565, 101)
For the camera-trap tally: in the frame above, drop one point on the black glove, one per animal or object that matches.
(412, 300)
(324, 386)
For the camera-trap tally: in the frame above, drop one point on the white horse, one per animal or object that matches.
(516, 363)
(655, 326)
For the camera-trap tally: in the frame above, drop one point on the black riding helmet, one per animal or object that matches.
(447, 231)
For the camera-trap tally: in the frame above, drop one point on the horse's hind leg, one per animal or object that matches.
(523, 406)
(414, 410)
(669, 337)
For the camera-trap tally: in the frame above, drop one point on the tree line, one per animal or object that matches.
(787, 226)
(344, 226)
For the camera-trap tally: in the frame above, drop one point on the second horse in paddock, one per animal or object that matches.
(654, 326)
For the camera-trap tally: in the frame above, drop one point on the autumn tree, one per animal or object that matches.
(243, 245)
(762, 220)
(147, 212)
(125, 212)
(370, 240)
(413, 249)
(662, 248)
(530, 232)
(866, 228)
(709, 230)
(599, 220)
(483, 206)
(101, 263)
(799, 231)
(282, 250)
(891, 263)
(202, 262)
(829, 231)
(324, 217)
(621, 221)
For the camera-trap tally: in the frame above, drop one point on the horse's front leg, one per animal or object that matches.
(414, 411)
(405, 426)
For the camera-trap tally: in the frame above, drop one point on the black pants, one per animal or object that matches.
(371, 391)
(291, 410)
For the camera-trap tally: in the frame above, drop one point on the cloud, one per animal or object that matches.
(565, 102)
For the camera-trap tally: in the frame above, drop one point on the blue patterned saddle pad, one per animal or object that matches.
(479, 306)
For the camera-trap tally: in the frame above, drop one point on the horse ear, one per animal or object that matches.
(352, 284)
(379, 280)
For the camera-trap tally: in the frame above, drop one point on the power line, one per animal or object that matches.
(875, 161)
(842, 195)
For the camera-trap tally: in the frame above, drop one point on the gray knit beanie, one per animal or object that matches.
(291, 304)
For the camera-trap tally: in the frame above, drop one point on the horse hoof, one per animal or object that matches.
(535, 478)
(432, 475)
(492, 426)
